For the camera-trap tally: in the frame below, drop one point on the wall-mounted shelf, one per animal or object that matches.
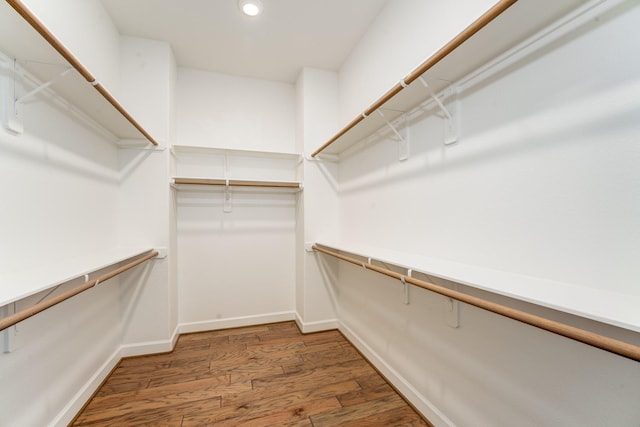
(199, 168)
(613, 308)
(44, 276)
(41, 58)
(504, 26)
(214, 166)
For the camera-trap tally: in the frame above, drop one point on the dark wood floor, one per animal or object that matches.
(268, 375)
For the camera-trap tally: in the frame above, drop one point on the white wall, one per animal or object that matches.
(219, 110)
(235, 267)
(147, 70)
(541, 183)
(317, 94)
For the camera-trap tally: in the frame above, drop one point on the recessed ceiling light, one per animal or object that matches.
(250, 7)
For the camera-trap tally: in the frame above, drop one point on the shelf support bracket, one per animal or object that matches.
(405, 290)
(10, 334)
(452, 117)
(452, 311)
(227, 198)
(11, 119)
(403, 147)
(43, 86)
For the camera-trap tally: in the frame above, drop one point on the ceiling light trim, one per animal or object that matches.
(250, 8)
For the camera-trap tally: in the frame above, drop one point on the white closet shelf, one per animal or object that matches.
(196, 166)
(489, 36)
(43, 58)
(613, 308)
(190, 149)
(18, 285)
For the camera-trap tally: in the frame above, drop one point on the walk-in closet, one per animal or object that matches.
(340, 212)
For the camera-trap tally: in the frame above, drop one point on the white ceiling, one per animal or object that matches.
(214, 35)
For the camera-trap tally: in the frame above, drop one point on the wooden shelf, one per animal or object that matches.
(613, 308)
(18, 285)
(43, 58)
(506, 25)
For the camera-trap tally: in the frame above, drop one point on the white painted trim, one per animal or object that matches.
(421, 403)
(317, 326)
(66, 415)
(145, 348)
(236, 322)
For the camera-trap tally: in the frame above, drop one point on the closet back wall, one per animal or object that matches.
(236, 267)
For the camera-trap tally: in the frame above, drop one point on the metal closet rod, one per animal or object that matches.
(465, 35)
(37, 25)
(37, 308)
(604, 343)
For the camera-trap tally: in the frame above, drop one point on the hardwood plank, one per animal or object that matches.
(204, 388)
(148, 416)
(276, 344)
(366, 394)
(286, 416)
(358, 412)
(404, 416)
(264, 399)
(111, 388)
(255, 404)
(312, 377)
(141, 411)
(239, 375)
(248, 360)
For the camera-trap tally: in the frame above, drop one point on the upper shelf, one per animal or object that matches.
(228, 167)
(44, 58)
(502, 27)
(192, 149)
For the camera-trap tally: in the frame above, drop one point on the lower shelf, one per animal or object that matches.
(22, 284)
(613, 308)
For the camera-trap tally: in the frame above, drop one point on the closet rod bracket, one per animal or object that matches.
(11, 119)
(452, 114)
(402, 135)
(405, 288)
(9, 335)
(227, 208)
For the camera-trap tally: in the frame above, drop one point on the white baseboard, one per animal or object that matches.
(236, 322)
(66, 415)
(150, 347)
(78, 401)
(318, 326)
(417, 399)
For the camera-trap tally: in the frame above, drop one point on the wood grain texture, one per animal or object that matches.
(267, 375)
